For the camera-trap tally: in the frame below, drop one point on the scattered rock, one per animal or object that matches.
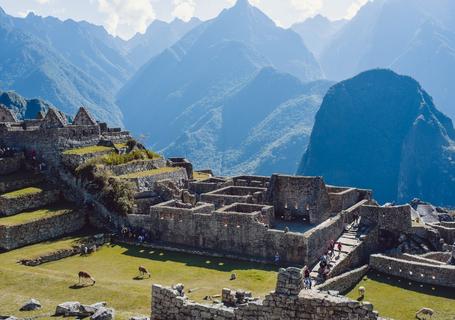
(103, 314)
(72, 308)
(31, 305)
(139, 318)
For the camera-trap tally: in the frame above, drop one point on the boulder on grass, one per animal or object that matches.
(31, 305)
(103, 313)
(69, 309)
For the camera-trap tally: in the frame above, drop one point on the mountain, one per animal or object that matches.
(159, 36)
(23, 108)
(46, 58)
(415, 38)
(177, 89)
(317, 32)
(381, 130)
(262, 127)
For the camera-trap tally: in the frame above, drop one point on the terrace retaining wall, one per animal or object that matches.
(19, 182)
(179, 177)
(11, 206)
(137, 165)
(11, 164)
(441, 275)
(16, 236)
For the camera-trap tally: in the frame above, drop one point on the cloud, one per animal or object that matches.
(125, 18)
(354, 8)
(43, 1)
(184, 9)
(307, 8)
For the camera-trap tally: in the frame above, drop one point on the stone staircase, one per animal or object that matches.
(352, 241)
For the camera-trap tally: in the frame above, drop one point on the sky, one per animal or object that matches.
(124, 18)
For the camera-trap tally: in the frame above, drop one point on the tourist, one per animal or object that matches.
(306, 278)
(277, 258)
(339, 247)
(331, 248)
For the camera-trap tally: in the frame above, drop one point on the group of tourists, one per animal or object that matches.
(137, 235)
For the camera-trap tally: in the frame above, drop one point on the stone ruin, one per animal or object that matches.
(288, 220)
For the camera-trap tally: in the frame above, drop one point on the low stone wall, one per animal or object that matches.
(447, 233)
(208, 185)
(137, 166)
(11, 164)
(19, 182)
(393, 219)
(415, 258)
(234, 194)
(89, 242)
(167, 304)
(72, 161)
(11, 206)
(346, 198)
(345, 281)
(178, 176)
(438, 256)
(441, 275)
(16, 236)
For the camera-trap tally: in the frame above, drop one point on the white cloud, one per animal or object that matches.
(43, 1)
(184, 9)
(307, 8)
(126, 17)
(354, 8)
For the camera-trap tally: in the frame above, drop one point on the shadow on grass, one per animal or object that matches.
(433, 290)
(78, 286)
(192, 260)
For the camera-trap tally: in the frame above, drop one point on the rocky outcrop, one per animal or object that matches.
(380, 130)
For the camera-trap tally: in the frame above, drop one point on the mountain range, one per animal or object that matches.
(189, 90)
(415, 38)
(381, 130)
(23, 108)
(73, 63)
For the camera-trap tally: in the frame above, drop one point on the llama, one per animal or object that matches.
(424, 312)
(143, 271)
(84, 276)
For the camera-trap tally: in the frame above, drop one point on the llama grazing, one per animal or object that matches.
(143, 271)
(362, 292)
(84, 276)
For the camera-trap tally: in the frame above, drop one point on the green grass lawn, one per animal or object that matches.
(22, 192)
(400, 299)
(148, 173)
(87, 150)
(116, 270)
(38, 214)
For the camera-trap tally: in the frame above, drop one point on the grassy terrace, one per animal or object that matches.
(400, 299)
(87, 150)
(22, 192)
(200, 175)
(29, 216)
(148, 173)
(116, 271)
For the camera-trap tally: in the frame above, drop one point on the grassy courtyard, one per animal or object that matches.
(115, 269)
(400, 299)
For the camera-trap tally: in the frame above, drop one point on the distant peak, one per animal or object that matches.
(2, 12)
(242, 4)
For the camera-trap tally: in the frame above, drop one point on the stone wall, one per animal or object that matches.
(300, 197)
(11, 164)
(447, 233)
(16, 236)
(208, 185)
(251, 181)
(138, 165)
(442, 257)
(230, 232)
(73, 161)
(11, 206)
(234, 194)
(345, 281)
(344, 198)
(292, 304)
(179, 177)
(393, 219)
(19, 182)
(442, 275)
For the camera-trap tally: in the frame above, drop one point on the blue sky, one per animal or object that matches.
(126, 17)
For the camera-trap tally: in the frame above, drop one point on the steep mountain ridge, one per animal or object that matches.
(182, 86)
(414, 38)
(23, 108)
(386, 134)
